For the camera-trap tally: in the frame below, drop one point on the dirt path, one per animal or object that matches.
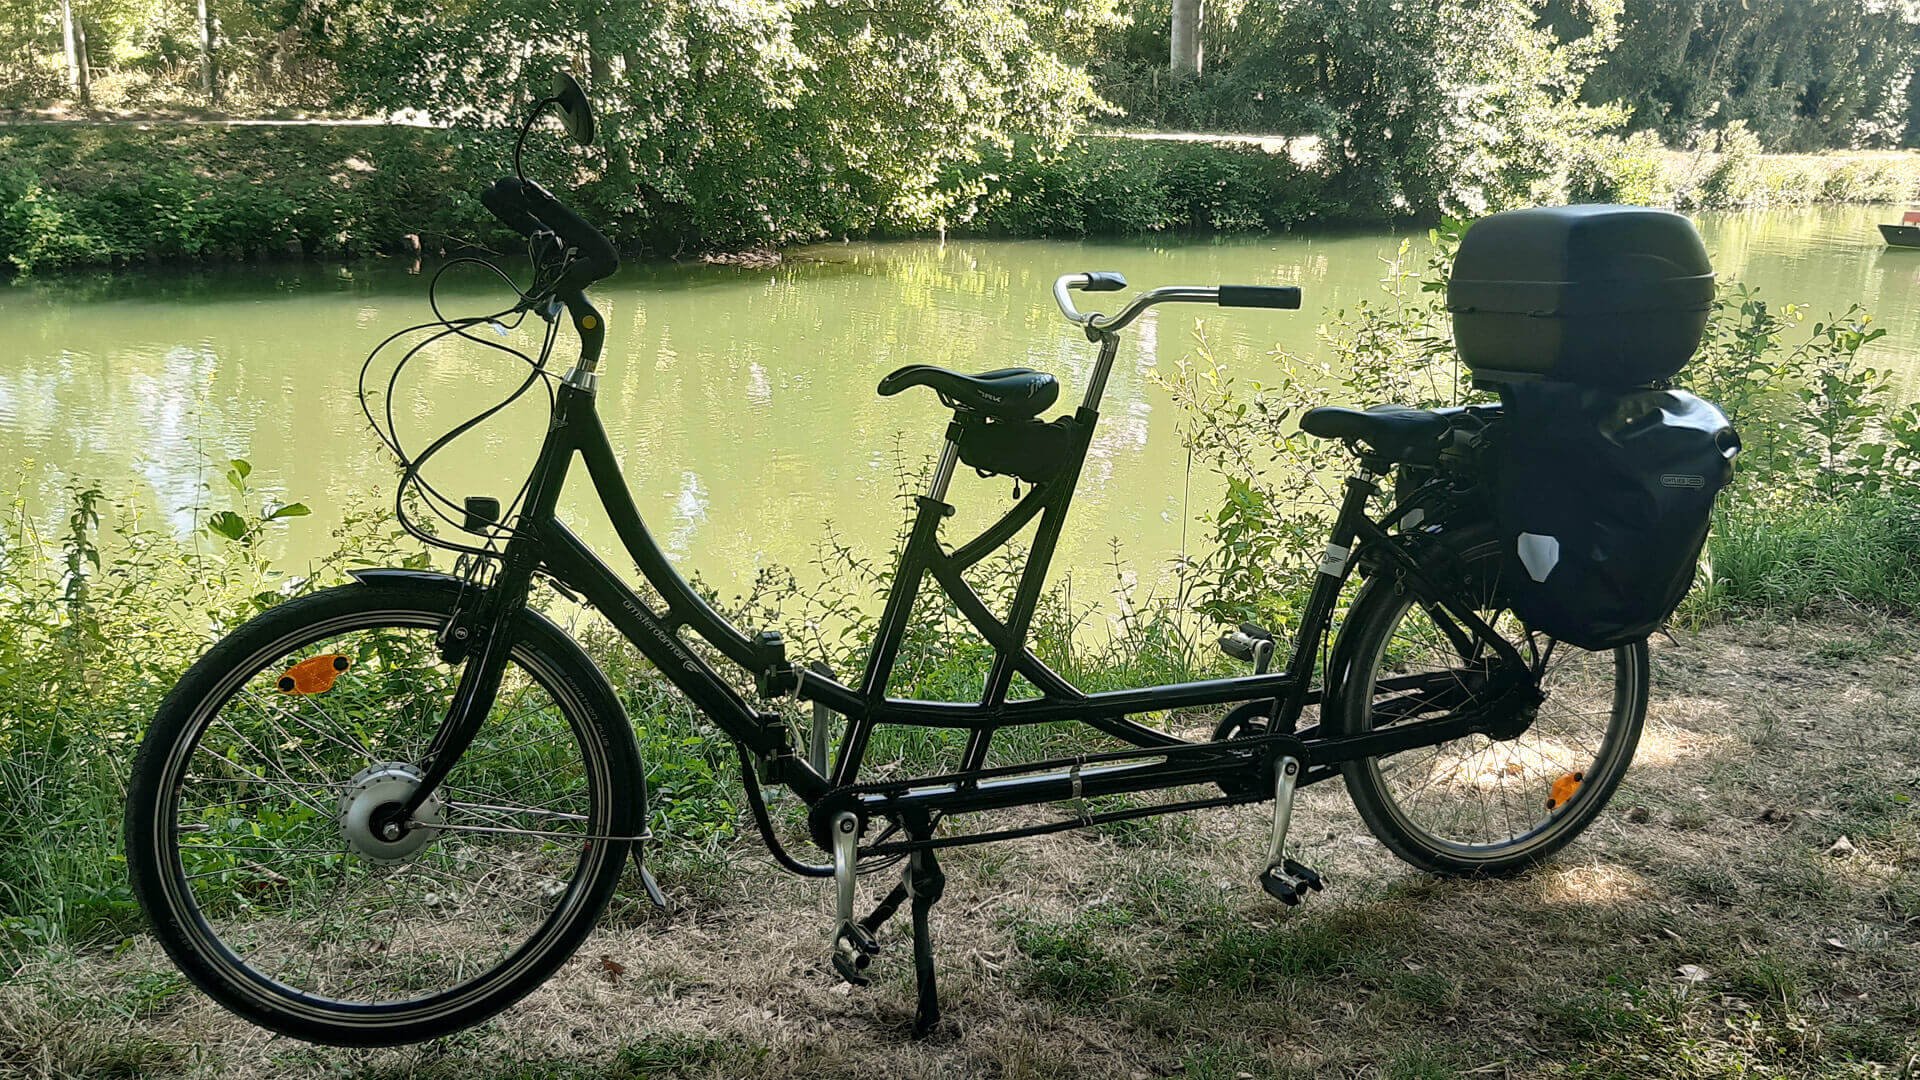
(1713, 923)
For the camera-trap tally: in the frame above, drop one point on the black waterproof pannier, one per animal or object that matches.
(1602, 498)
(1597, 295)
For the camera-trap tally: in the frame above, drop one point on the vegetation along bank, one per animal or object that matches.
(733, 127)
(74, 195)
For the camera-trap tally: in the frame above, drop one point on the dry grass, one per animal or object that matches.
(1706, 926)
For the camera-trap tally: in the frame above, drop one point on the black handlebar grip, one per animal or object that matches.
(598, 258)
(1286, 297)
(503, 198)
(1104, 281)
(527, 208)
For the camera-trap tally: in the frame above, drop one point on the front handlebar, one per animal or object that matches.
(528, 209)
(1286, 297)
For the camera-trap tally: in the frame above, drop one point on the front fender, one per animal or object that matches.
(389, 576)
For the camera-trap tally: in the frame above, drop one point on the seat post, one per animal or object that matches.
(943, 469)
(1097, 386)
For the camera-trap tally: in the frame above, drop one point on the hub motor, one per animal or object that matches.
(365, 808)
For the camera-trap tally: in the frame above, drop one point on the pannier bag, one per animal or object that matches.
(1599, 295)
(1602, 499)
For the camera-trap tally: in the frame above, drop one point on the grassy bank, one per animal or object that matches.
(1711, 926)
(75, 195)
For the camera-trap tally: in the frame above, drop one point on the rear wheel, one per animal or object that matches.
(256, 840)
(1480, 805)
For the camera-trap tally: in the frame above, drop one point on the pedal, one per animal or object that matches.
(853, 950)
(1284, 879)
(1290, 882)
(1280, 887)
(1250, 644)
(1308, 877)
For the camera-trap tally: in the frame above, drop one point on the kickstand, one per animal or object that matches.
(925, 883)
(654, 895)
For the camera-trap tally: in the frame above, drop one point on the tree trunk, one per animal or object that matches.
(209, 79)
(71, 37)
(1188, 17)
(86, 69)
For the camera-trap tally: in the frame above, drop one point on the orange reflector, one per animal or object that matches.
(1563, 789)
(314, 675)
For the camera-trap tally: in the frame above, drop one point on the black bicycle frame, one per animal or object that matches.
(541, 545)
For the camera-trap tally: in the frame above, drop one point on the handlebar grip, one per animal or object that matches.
(1104, 281)
(1286, 297)
(519, 203)
(504, 200)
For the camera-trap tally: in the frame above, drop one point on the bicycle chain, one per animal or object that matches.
(845, 798)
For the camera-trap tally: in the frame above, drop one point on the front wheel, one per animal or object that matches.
(257, 835)
(1480, 805)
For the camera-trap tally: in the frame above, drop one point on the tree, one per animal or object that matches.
(1426, 108)
(79, 72)
(752, 122)
(1189, 17)
(1802, 75)
(209, 77)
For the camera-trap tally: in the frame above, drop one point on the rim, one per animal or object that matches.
(1476, 798)
(295, 908)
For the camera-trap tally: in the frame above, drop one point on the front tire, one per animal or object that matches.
(248, 836)
(1477, 805)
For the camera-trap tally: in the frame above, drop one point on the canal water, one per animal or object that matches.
(741, 400)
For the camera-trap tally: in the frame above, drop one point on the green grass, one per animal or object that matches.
(1070, 963)
(1799, 556)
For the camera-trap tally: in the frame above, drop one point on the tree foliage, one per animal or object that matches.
(1440, 106)
(747, 122)
(1802, 74)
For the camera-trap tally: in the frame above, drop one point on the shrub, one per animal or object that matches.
(1610, 169)
(1116, 186)
(1734, 177)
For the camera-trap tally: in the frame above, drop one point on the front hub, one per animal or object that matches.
(367, 813)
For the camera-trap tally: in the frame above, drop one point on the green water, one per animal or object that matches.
(742, 401)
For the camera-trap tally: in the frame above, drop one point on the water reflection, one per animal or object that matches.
(741, 401)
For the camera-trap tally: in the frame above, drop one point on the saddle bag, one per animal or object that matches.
(1032, 450)
(1602, 498)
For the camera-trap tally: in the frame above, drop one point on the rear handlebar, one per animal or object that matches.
(1286, 297)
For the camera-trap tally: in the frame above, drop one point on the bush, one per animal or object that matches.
(1734, 177)
(86, 195)
(1118, 186)
(1610, 169)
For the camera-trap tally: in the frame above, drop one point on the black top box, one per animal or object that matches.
(1595, 295)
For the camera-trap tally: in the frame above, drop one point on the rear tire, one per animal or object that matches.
(248, 847)
(1475, 805)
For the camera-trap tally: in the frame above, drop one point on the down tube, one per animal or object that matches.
(590, 439)
(570, 561)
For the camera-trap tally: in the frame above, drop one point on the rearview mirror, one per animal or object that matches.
(576, 112)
